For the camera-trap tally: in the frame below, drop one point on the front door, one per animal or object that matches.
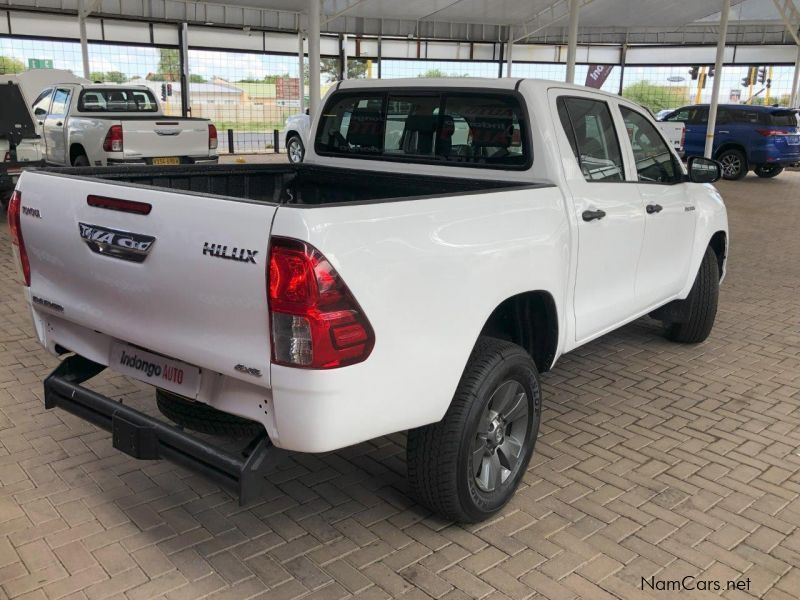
(608, 212)
(695, 118)
(669, 212)
(55, 137)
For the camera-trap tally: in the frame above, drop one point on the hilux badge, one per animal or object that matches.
(124, 245)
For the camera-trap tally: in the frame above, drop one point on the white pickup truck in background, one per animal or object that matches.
(443, 243)
(99, 125)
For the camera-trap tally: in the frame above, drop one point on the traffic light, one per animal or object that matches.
(693, 72)
(751, 77)
(163, 92)
(711, 71)
(169, 89)
(762, 74)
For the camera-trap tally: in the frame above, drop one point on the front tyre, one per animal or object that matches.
(700, 307)
(295, 149)
(768, 171)
(467, 466)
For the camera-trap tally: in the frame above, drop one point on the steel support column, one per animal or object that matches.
(301, 70)
(712, 110)
(572, 39)
(183, 40)
(796, 80)
(510, 51)
(314, 58)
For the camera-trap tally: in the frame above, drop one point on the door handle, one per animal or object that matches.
(654, 208)
(60, 124)
(723, 131)
(593, 215)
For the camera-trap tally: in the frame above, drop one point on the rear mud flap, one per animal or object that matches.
(146, 438)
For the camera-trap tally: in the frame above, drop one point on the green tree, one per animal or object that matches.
(108, 77)
(9, 64)
(433, 73)
(169, 65)
(656, 97)
(196, 78)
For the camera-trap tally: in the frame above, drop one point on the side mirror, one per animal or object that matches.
(40, 112)
(704, 170)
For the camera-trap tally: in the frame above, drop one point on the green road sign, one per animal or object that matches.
(40, 63)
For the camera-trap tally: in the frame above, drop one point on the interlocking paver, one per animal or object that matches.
(653, 459)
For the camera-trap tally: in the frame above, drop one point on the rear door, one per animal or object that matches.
(186, 280)
(55, 135)
(164, 137)
(669, 214)
(609, 212)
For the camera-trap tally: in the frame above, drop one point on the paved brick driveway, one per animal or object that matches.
(654, 460)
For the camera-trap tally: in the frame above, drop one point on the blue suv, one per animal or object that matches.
(762, 138)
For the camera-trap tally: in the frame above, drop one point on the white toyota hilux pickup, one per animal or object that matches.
(100, 124)
(443, 244)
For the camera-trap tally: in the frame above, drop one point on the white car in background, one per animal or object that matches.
(108, 124)
(295, 134)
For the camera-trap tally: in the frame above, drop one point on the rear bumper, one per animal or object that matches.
(146, 438)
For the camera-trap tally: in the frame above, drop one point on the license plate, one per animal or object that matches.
(793, 140)
(160, 371)
(166, 160)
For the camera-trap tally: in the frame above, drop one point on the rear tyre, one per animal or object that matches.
(80, 161)
(768, 171)
(295, 149)
(467, 466)
(734, 164)
(203, 418)
(700, 307)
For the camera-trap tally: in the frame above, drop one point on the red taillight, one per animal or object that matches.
(316, 322)
(770, 132)
(683, 137)
(7, 157)
(212, 137)
(14, 210)
(113, 141)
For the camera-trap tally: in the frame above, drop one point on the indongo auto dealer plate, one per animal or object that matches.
(165, 373)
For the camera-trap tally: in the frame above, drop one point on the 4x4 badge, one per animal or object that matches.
(116, 244)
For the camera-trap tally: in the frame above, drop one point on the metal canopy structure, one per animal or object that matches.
(531, 21)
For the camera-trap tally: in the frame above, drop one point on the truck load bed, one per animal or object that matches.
(295, 185)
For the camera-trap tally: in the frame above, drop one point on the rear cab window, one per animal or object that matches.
(117, 100)
(454, 128)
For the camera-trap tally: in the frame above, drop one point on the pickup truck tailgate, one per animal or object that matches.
(187, 280)
(165, 137)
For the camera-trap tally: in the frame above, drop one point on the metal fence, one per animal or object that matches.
(252, 93)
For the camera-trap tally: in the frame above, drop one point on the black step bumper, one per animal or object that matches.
(145, 438)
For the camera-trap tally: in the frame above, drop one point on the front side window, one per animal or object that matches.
(60, 103)
(42, 103)
(459, 128)
(654, 161)
(680, 115)
(117, 100)
(594, 139)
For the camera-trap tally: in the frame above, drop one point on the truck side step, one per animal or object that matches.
(145, 438)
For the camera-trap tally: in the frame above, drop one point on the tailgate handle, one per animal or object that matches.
(168, 131)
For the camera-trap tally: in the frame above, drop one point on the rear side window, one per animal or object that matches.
(459, 128)
(60, 103)
(113, 100)
(594, 138)
(783, 118)
(741, 115)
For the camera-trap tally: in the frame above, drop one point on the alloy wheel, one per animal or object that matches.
(731, 165)
(502, 429)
